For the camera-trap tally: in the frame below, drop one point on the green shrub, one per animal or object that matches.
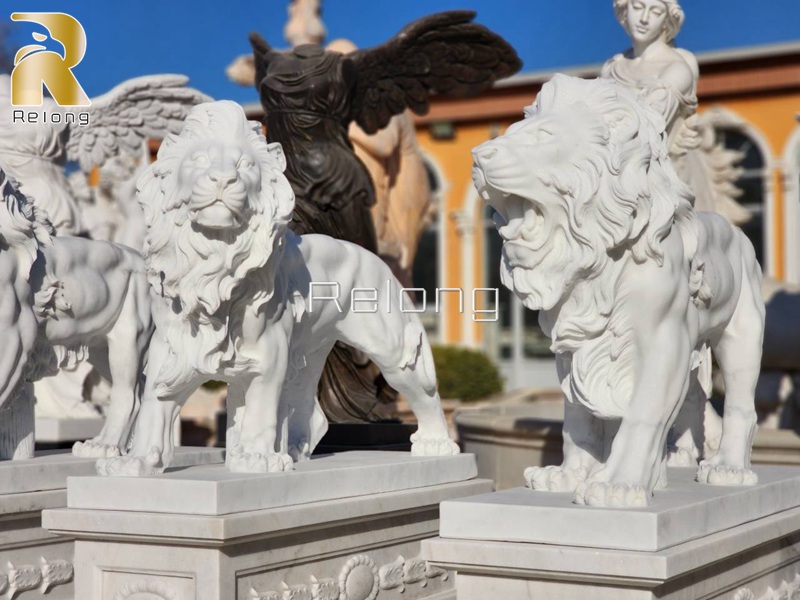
(465, 374)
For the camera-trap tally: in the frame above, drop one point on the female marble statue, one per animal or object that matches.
(666, 77)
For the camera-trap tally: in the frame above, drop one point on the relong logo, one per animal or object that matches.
(35, 66)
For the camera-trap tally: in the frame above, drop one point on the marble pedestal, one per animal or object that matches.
(33, 561)
(340, 527)
(694, 542)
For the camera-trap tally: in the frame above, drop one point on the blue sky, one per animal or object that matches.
(200, 37)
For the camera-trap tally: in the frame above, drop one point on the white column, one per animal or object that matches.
(791, 222)
(465, 228)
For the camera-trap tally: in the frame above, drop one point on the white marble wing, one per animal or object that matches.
(120, 119)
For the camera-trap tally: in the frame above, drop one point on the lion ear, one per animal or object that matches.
(276, 150)
(622, 122)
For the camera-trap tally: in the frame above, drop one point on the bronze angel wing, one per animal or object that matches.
(445, 53)
(261, 50)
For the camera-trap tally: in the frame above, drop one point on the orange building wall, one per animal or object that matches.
(774, 117)
(454, 158)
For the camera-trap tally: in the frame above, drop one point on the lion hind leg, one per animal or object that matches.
(738, 352)
(687, 437)
(397, 343)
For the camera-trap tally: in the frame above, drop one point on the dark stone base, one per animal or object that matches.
(386, 435)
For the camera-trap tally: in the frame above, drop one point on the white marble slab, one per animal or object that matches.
(213, 490)
(67, 430)
(685, 511)
(49, 470)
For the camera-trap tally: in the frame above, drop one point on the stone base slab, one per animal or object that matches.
(752, 559)
(214, 490)
(364, 547)
(49, 469)
(686, 510)
(35, 563)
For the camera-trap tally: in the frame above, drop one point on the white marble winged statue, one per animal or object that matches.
(631, 283)
(238, 297)
(35, 153)
(62, 299)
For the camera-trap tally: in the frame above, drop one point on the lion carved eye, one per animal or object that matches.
(244, 162)
(200, 159)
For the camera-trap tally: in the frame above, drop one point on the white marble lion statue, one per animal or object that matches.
(632, 284)
(63, 299)
(237, 297)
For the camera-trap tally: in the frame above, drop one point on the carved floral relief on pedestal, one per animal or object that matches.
(360, 579)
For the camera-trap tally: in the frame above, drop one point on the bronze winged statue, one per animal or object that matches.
(310, 96)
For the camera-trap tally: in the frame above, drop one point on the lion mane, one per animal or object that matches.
(24, 227)
(206, 275)
(621, 197)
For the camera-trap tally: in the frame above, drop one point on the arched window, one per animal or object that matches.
(751, 183)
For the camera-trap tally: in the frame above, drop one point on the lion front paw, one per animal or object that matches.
(300, 451)
(95, 449)
(682, 457)
(554, 479)
(606, 493)
(720, 474)
(131, 466)
(239, 461)
(438, 446)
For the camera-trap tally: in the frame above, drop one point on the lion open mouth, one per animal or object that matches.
(517, 219)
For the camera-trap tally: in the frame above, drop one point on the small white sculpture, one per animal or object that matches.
(116, 196)
(237, 297)
(79, 299)
(600, 236)
(666, 78)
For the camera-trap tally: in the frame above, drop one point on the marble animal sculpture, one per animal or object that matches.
(631, 283)
(233, 300)
(63, 299)
(666, 78)
(310, 96)
(35, 153)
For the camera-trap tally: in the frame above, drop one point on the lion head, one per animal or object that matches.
(216, 205)
(580, 187)
(584, 177)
